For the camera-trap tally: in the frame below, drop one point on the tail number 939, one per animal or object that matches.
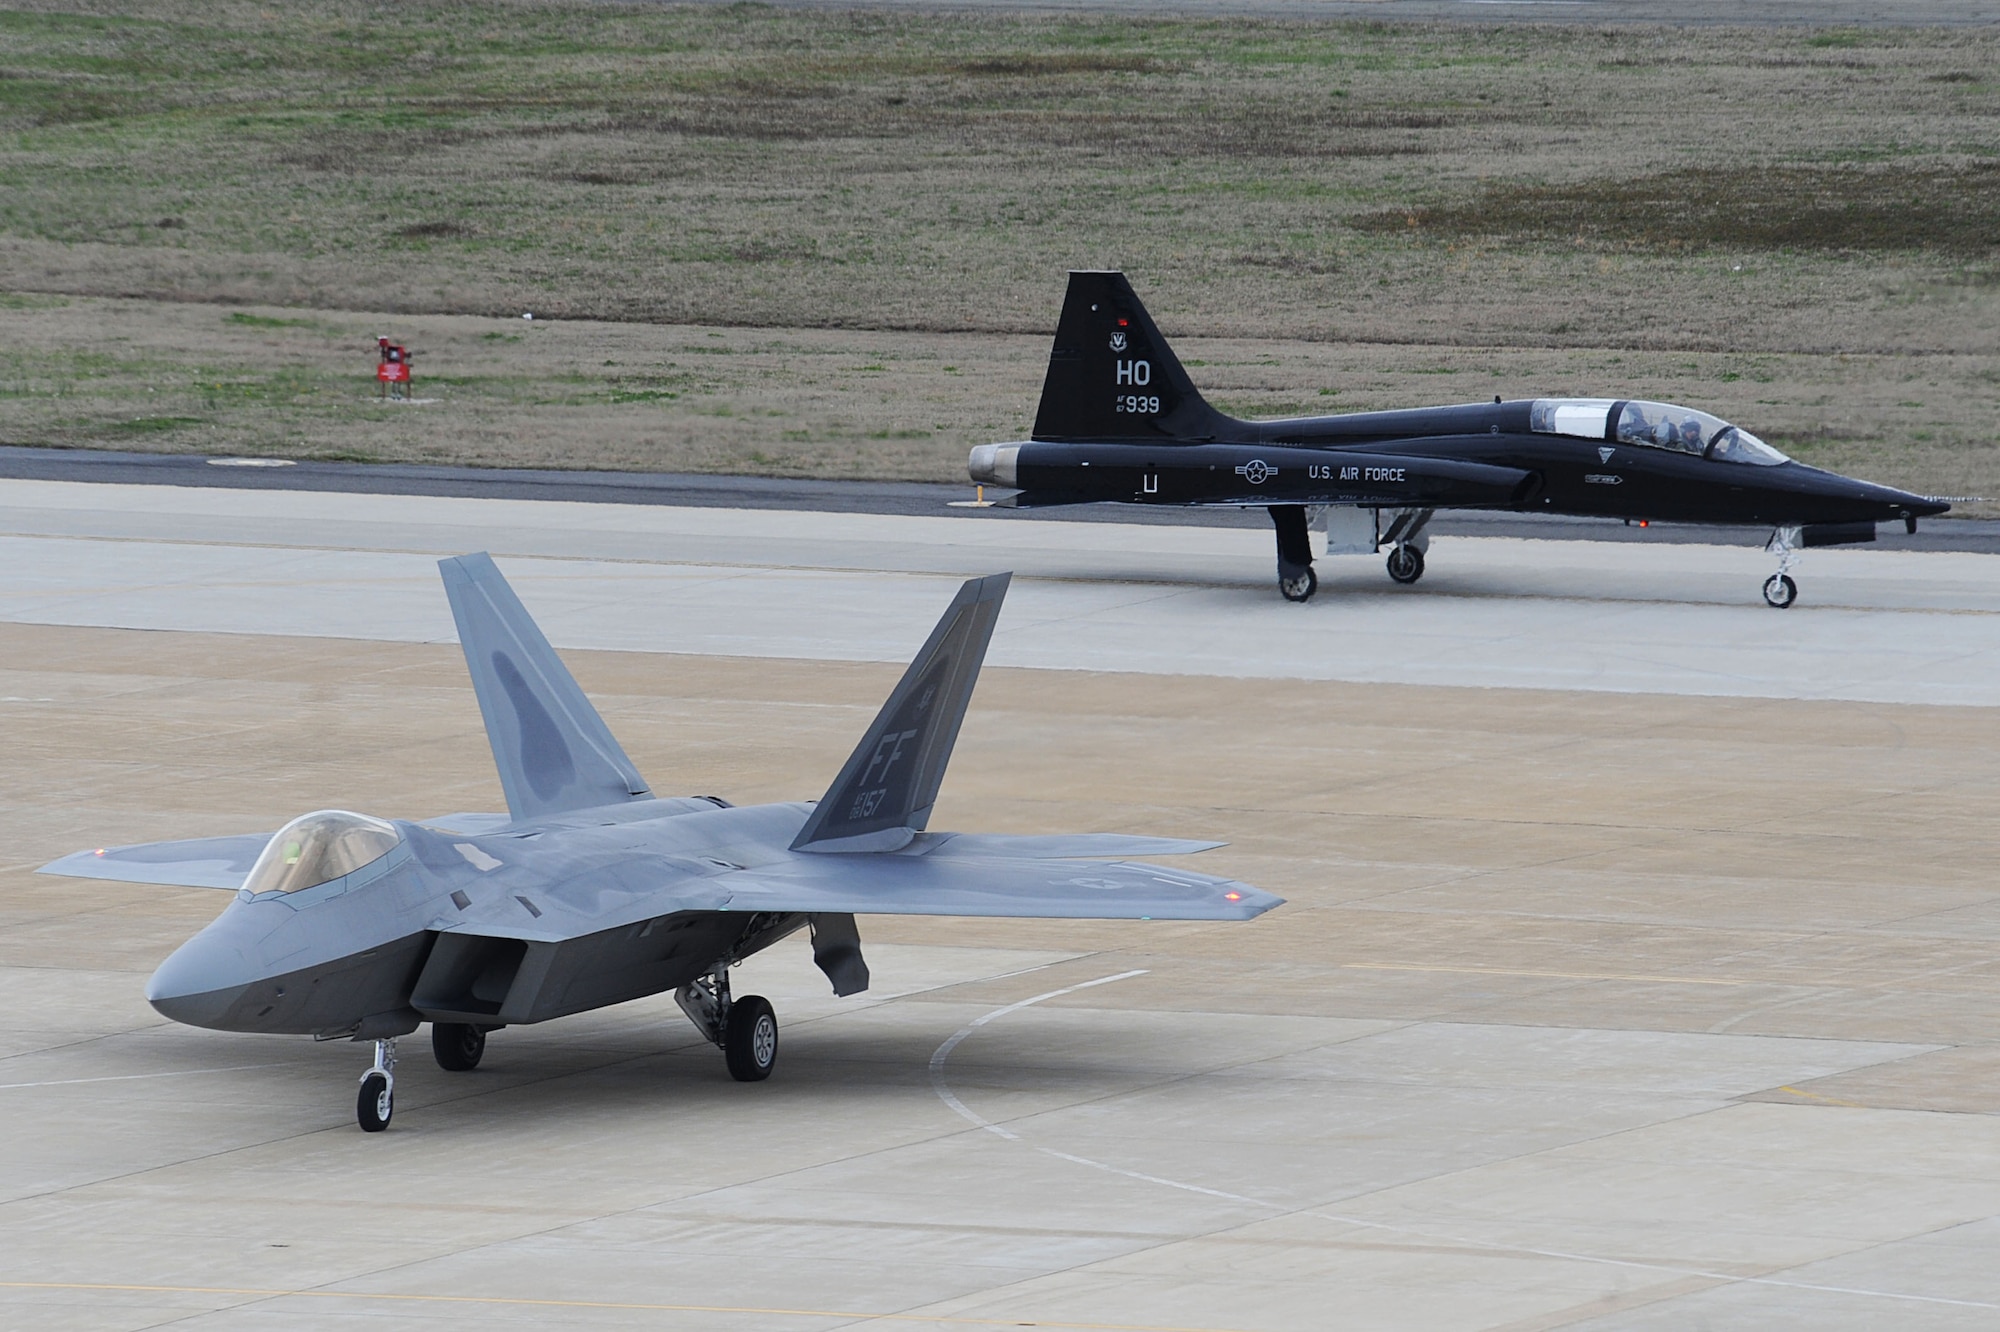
(1137, 404)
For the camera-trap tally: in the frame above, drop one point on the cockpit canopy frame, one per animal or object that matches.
(318, 848)
(1652, 425)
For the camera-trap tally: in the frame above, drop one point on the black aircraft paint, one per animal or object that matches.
(1121, 422)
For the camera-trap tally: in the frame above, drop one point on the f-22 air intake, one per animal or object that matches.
(1121, 422)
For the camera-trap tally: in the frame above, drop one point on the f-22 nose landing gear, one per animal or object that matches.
(377, 1098)
(1296, 579)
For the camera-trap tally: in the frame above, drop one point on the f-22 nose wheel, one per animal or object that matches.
(1299, 587)
(375, 1104)
(376, 1101)
(1780, 591)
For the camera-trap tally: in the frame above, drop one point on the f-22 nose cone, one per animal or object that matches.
(193, 986)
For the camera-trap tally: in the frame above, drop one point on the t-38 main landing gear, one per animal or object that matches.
(1407, 541)
(1296, 579)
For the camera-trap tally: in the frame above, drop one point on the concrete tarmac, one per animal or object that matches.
(1651, 983)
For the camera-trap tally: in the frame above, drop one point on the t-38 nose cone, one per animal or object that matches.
(1895, 503)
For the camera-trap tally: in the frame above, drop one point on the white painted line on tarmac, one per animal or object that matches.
(945, 1094)
(140, 1077)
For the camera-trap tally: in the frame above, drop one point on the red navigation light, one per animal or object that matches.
(1233, 897)
(1124, 323)
(1645, 522)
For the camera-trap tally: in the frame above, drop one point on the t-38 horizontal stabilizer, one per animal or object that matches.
(554, 752)
(883, 796)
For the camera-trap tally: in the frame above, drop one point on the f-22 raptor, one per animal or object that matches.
(1121, 421)
(591, 890)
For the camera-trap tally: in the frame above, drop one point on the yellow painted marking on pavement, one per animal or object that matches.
(257, 1293)
(1830, 1100)
(1545, 975)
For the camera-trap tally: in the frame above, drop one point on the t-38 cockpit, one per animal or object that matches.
(1653, 425)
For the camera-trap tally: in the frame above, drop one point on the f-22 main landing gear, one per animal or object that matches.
(746, 1028)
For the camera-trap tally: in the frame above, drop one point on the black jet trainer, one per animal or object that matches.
(1121, 422)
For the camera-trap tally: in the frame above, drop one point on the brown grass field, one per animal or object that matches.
(831, 243)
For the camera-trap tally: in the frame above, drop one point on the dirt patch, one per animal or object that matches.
(1952, 209)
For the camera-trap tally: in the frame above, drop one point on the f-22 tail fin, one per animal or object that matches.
(883, 796)
(554, 752)
(1112, 376)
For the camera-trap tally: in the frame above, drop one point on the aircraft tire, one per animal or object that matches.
(750, 1039)
(1300, 588)
(458, 1046)
(1406, 564)
(375, 1104)
(1780, 591)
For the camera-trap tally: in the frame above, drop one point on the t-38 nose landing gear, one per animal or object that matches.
(1779, 589)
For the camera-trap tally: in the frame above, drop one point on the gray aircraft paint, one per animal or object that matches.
(591, 891)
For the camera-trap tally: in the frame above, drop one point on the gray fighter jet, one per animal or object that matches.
(591, 890)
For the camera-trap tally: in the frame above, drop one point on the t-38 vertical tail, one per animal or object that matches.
(1112, 377)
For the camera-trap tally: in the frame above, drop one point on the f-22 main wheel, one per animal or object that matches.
(1299, 587)
(457, 1045)
(1406, 564)
(1780, 591)
(750, 1040)
(375, 1104)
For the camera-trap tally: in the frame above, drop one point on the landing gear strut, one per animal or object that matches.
(1407, 542)
(377, 1099)
(1296, 579)
(746, 1028)
(1779, 589)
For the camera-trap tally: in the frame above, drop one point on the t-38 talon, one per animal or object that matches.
(1121, 422)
